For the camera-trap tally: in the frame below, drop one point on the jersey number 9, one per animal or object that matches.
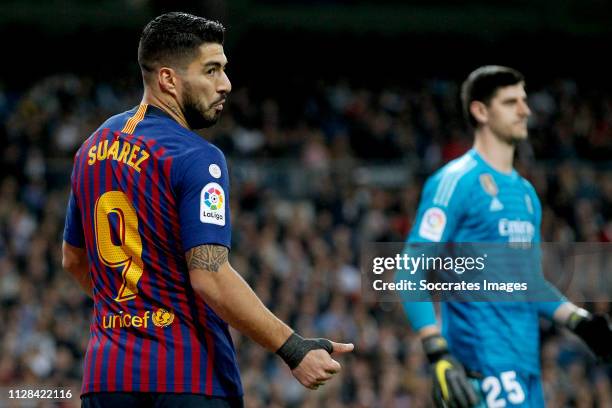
(127, 252)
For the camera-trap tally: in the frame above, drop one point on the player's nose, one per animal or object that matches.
(224, 85)
(524, 109)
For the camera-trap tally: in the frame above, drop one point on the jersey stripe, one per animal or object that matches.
(178, 297)
(130, 125)
(98, 275)
(155, 370)
(166, 353)
(127, 336)
(140, 373)
(85, 186)
(174, 377)
(171, 202)
(144, 374)
(196, 355)
(113, 355)
(210, 345)
(107, 182)
(450, 179)
(184, 353)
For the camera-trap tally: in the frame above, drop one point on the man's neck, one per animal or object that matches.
(498, 154)
(167, 105)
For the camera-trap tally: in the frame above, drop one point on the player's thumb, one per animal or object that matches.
(341, 348)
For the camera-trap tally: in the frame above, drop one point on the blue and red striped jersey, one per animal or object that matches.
(144, 191)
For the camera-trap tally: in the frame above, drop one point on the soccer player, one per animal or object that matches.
(147, 236)
(479, 197)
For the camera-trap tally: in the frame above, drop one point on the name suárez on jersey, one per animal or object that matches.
(121, 151)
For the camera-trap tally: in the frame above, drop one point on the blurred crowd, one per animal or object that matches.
(314, 177)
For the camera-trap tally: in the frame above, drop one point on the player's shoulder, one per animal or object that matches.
(453, 179)
(193, 155)
(460, 168)
(527, 184)
(191, 147)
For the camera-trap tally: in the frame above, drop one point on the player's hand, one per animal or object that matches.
(451, 386)
(595, 330)
(315, 369)
(310, 360)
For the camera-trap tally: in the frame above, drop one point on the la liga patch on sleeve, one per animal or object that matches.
(212, 204)
(432, 225)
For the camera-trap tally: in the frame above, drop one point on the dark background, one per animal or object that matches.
(274, 43)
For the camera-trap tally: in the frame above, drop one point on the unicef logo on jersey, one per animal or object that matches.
(212, 204)
(516, 231)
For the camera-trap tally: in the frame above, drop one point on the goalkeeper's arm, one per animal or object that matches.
(451, 386)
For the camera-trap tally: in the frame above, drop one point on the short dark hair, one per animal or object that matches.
(482, 84)
(172, 39)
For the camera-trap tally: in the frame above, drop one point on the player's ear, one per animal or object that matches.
(479, 111)
(167, 80)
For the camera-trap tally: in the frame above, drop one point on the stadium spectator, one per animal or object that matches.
(269, 192)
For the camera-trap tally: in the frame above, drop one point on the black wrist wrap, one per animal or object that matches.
(296, 347)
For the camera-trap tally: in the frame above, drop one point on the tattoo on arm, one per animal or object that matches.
(207, 257)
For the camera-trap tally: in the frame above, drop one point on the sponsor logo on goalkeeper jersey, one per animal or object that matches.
(515, 230)
(160, 318)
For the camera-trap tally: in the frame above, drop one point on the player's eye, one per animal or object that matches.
(210, 71)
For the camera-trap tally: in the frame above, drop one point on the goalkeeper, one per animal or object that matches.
(487, 354)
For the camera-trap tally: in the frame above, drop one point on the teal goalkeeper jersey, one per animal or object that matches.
(467, 201)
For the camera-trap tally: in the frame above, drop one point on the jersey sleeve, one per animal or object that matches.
(544, 309)
(437, 217)
(439, 211)
(73, 227)
(201, 185)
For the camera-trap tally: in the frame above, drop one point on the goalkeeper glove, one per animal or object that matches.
(595, 331)
(451, 386)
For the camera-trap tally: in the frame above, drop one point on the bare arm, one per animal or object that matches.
(214, 279)
(74, 261)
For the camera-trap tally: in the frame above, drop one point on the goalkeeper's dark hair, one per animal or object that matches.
(173, 39)
(482, 84)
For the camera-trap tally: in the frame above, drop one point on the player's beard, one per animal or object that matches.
(197, 115)
(511, 139)
(509, 136)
